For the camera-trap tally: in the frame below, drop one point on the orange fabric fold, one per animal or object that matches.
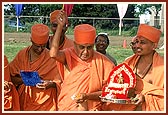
(11, 98)
(32, 98)
(154, 93)
(66, 44)
(82, 78)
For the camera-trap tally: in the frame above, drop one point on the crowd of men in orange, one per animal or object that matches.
(72, 67)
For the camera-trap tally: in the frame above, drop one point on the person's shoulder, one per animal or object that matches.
(23, 50)
(21, 54)
(130, 57)
(68, 39)
(100, 56)
(158, 58)
(97, 53)
(111, 58)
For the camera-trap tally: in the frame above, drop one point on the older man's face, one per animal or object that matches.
(38, 48)
(84, 51)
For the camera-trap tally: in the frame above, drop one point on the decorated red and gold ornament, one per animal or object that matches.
(121, 80)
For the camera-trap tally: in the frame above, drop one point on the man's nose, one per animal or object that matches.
(40, 48)
(85, 50)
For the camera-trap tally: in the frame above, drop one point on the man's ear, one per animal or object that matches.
(155, 45)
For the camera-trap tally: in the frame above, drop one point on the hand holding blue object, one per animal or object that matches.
(30, 78)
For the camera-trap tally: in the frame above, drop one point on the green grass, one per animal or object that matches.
(118, 52)
(12, 48)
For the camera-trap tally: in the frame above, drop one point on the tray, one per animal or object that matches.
(118, 101)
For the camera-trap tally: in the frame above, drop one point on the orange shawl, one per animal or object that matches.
(66, 44)
(154, 93)
(84, 77)
(32, 98)
(11, 98)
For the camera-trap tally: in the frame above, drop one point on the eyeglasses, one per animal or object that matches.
(101, 41)
(132, 43)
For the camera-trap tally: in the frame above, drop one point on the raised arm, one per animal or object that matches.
(54, 51)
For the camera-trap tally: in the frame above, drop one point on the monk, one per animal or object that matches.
(11, 98)
(102, 42)
(65, 42)
(86, 68)
(148, 66)
(43, 96)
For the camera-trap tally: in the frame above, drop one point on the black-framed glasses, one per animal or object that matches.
(102, 41)
(132, 43)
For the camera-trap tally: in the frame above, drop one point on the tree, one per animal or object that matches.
(100, 11)
(149, 8)
(79, 10)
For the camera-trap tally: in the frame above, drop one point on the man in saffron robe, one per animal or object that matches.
(11, 98)
(42, 97)
(148, 66)
(88, 69)
(64, 42)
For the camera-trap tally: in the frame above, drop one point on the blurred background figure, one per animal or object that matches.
(11, 98)
(133, 44)
(101, 44)
(65, 42)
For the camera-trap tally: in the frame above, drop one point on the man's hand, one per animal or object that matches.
(61, 18)
(7, 87)
(139, 99)
(46, 84)
(79, 98)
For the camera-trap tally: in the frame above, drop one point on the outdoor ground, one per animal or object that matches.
(114, 40)
(16, 41)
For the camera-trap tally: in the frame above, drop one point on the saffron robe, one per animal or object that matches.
(11, 97)
(32, 98)
(153, 92)
(66, 43)
(83, 77)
